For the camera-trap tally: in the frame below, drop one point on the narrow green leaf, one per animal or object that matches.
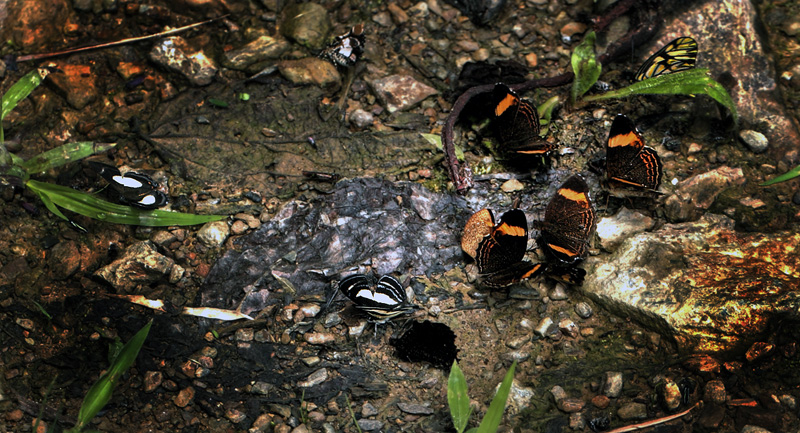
(473, 430)
(218, 102)
(457, 398)
(64, 154)
(689, 82)
(100, 393)
(585, 66)
(21, 89)
(494, 415)
(791, 174)
(94, 207)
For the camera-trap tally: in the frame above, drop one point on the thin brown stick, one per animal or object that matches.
(654, 422)
(41, 56)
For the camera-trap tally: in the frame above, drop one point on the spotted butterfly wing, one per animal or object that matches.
(568, 222)
(382, 300)
(516, 123)
(631, 167)
(678, 55)
(134, 189)
(345, 50)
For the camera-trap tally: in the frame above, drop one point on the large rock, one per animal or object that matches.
(364, 225)
(709, 287)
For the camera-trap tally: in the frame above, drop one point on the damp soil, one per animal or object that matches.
(59, 320)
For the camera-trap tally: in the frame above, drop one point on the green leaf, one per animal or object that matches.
(64, 154)
(546, 114)
(436, 140)
(94, 207)
(494, 415)
(21, 89)
(218, 102)
(791, 174)
(457, 398)
(689, 82)
(100, 393)
(585, 66)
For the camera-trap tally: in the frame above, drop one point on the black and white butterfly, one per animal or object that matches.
(132, 188)
(346, 49)
(383, 299)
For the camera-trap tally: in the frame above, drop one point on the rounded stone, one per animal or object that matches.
(754, 140)
(213, 234)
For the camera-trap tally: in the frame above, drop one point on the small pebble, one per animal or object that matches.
(544, 327)
(671, 395)
(367, 409)
(754, 140)
(213, 234)
(319, 337)
(613, 384)
(370, 424)
(559, 293)
(361, 119)
(630, 411)
(568, 327)
(601, 401)
(583, 310)
(415, 408)
(558, 393)
(314, 379)
(715, 392)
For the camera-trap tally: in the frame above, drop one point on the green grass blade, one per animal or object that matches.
(690, 82)
(21, 89)
(791, 174)
(100, 393)
(457, 398)
(494, 415)
(64, 154)
(585, 66)
(94, 207)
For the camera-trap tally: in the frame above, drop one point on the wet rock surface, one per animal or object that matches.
(364, 224)
(671, 278)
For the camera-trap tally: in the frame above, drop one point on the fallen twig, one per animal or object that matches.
(41, 56)
(654, 422)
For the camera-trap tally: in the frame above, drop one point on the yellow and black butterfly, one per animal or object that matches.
(678, 55)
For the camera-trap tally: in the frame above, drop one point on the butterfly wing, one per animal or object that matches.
(515, 273)
(568, 221)
(678, 55)
(629, 163)
(516, 123)
(505, 245)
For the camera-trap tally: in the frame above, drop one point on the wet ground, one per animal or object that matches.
(307, 364)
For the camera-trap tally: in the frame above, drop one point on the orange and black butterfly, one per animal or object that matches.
(566, 229)
(678, 55)
(515, 122)
(499, 247)
(632, 169)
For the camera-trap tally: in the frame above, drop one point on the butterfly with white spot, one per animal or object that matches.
(382, 300)
(345, 50)
(132, 188)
